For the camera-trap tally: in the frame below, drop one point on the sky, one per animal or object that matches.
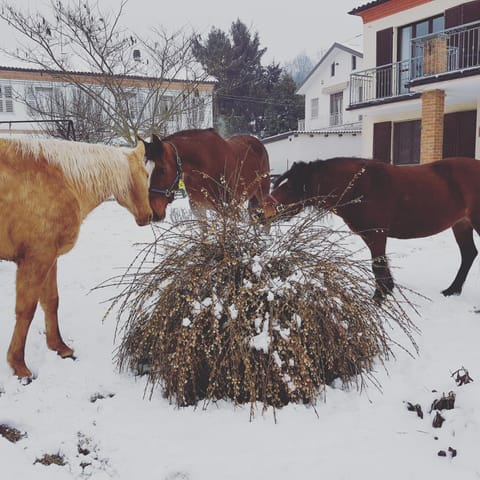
(285, 29)
(99, 421)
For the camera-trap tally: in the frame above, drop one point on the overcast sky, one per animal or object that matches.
(285, 29)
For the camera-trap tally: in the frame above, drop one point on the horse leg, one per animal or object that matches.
(377, 243)
(49, 303)
(463, 232)
(30, 276)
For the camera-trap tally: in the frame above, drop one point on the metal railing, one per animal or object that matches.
(380, 83)
(336, 119)
(451, 50)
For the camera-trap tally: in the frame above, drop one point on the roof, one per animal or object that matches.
(366, 6)
(59, 73)
(352, 129)
(334, 45)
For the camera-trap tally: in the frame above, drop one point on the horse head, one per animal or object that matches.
(164, 163)
(135, 198)
(289, 193)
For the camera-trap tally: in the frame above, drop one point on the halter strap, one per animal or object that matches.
(169, 192)
(272, 198)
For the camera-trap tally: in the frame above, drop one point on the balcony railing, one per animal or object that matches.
(336, 119)
(455, 49)
(451, 50)
(380, 83)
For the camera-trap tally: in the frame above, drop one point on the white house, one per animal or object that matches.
(20, 87)
(419, 91)
(329, 129)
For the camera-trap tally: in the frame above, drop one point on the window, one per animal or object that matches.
(336, 108)
(354, 62)
(6, 99)
(166, 103)
(332, 69)
(411, 54)
(418, 29)
(135, 103)
(39, 100)
(197, 107)
(314, 108)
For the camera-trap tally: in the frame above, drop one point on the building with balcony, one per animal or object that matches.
(328, 129)
(419, 90)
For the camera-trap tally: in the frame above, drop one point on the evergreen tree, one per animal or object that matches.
(283, 108)
(246, 89)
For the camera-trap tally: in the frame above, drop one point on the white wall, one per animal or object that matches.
(306, 147)
(20, 110)
(321, 84)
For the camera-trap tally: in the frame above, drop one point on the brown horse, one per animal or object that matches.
(47, 188)
(378, 200)
(213, 169)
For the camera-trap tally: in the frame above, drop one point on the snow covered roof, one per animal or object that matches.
(350, 129)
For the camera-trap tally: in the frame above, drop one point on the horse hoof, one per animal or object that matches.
(68, 355)
(451, 291)
(24, 381)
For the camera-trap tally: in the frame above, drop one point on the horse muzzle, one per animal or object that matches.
(144, 220)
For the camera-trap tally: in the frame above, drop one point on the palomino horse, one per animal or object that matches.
(47, 188)
(378, 200)
(213, 169)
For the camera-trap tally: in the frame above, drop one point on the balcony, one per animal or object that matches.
(434, 57)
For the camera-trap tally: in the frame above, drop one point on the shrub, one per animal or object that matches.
(217, 308)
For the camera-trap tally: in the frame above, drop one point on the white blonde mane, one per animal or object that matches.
(98, 168)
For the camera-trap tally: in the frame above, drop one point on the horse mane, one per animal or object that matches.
(295, 168)
(101, 168)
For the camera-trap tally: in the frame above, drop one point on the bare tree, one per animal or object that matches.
(133, 84)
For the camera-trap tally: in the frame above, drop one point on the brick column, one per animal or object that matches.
(433, 106)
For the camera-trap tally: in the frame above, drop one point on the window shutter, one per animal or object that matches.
(465, 13)
(1, 99)
(459, 134)
(382, 141)
(384, 47)
(8, 99)
(406, 142)
(384, 56)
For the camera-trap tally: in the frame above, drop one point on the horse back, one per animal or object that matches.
(413, 201)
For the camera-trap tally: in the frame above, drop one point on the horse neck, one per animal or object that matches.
(88, 200)
(101, 186)
(336, 181)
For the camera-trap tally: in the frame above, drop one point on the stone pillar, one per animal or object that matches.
(433, 106)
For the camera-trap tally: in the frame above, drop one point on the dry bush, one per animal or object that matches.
(217, 308)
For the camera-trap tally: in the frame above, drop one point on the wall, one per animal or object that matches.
(321, 84)
(305, 146)
(27, 79)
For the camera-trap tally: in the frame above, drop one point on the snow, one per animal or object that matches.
(87, 406)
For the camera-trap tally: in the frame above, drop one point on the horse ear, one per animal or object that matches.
(156, 139)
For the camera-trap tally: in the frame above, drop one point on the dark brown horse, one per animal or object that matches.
(399, 202)
(213, 169)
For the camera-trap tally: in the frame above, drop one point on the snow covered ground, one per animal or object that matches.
(362, 435)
